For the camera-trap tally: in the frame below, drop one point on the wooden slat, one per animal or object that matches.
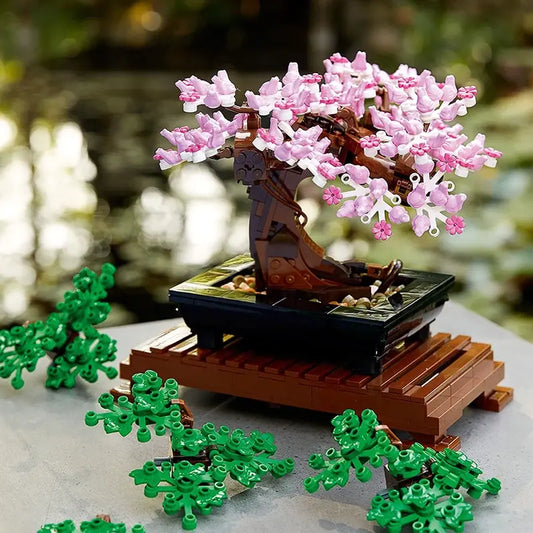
(257, 362)
(318, 372)
(429, 365)
(184, 346)
(412, 357)
(218, 357)
(298, 369)
(278, 366)
(452, 372)
(357, 380)
(237, 360)
(338, 376)
(170, 338)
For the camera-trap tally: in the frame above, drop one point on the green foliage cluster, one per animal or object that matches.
(68, 336)
(96, 525)
(428, 498)
(192, 480)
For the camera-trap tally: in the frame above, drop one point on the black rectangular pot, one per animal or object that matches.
(355, 338)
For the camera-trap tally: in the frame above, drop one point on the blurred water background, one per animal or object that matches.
(86, 85)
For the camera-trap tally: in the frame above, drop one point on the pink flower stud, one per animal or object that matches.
(465, 93)
(332, 195)
(455, 225)
(447, 163)
(382, 230)
(370, 145)
(492, 157)
(407, 82)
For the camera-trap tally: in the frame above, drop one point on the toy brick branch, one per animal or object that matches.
(379, 145)
(192, 480)
(67, 336)
(426, 482)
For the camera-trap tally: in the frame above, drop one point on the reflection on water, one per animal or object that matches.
(45, 207)
(79, 186)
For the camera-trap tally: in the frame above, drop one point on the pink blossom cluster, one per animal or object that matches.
(415, 120)
(195, 92)
(196, 145)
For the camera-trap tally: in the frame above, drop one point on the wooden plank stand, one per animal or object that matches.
(423, 388)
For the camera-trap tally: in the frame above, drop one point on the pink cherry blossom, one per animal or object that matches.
(455, 202)
(491, 152)
(447, 163)
(419, 149)
(370, 141)
(470, 91)
(359, 64)
(378, 187)
(332, 195)
(398, 215)
(407, 82)
(347, 209)
(455, 225)
(363, 205)
(449, 89)
(382, 230)
(358, 173)
(421, 224)
(312, 78)
(417, 197)
(439, 196)
(416, 122)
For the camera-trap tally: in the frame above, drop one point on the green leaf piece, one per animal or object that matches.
(457, 470)
(152, 405)
(428, 506)
(68, 336)
(188, 488)
(96, 525)
(21, 347)
(247, 459)
(80, 350)
(359, 444)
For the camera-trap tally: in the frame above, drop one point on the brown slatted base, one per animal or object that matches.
(423, 388)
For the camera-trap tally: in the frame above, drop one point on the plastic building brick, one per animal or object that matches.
(68, 336)
(424, 506)
(193, 478)
(152, 406)
(359, 444)
(247, 459)
(21, 347)
(84, 351)
(96, 525)
(187, 488)
(211, 309)
(427, 498)
(461, 371)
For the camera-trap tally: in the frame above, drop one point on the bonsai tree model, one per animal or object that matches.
(193, 478)
(426, 483)
(68, 336)
(383, 147)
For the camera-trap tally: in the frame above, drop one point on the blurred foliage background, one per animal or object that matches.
(86, 85)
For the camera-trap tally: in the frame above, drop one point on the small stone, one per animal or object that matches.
(363, 302)
(237, 280)
(348, 300)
